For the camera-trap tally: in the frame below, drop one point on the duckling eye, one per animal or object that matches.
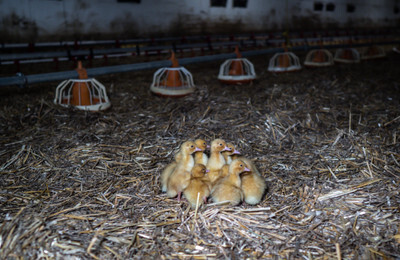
(241, 165)
(220, 144)
(191, 146)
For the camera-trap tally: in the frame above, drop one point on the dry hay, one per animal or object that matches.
(86, 185)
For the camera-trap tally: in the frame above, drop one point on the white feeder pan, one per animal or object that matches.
(161, 75)
(380, 53)
(310, 58)
(294, 63)
(355, 56)
(248, 69)
(98, 95)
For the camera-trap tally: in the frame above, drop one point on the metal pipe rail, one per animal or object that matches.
(36, 56)
(138, 50)
(182, 39)
(23, 80)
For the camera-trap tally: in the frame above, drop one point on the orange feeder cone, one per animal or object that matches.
(80, 91)
(236, 71)
(373, 52)
(83, 93)
(236, 68)
(284, 62)
(319, 56)
(173, 78)
(80, 95)
(175, 81)
(347, 55)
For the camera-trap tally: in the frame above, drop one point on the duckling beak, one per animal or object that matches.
(227, 149)
(236, 152)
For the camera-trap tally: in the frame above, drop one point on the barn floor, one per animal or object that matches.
(79, 185)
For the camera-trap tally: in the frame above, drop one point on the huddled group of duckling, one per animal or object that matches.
(224, 175)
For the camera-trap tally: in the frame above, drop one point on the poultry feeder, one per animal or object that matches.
(347, 55)
(236, 71)
(373, 52)
(319, 58)
(284, 62)
(175, 81)
(83, 93)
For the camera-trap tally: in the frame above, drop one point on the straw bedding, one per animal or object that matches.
(86, 185)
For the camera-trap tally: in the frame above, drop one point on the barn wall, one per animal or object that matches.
(35, 20)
